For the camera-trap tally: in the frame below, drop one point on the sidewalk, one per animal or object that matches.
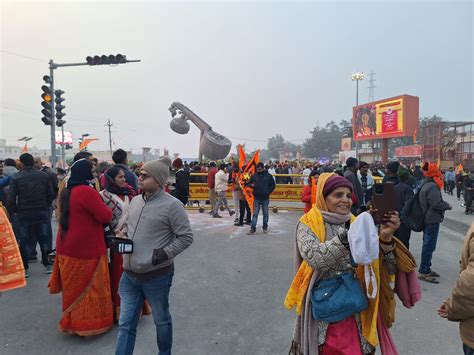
(456, 218)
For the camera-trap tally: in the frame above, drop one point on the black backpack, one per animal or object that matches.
(412, 214)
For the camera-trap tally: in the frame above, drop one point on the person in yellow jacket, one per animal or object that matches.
(460, 306)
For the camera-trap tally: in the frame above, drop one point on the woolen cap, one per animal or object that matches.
(159, 169)
(334, 182)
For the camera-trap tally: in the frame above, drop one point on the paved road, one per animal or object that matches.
(227, 298)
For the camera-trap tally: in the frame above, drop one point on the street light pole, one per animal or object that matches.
(357, 77)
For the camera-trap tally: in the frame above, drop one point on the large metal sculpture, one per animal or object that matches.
(212, 144)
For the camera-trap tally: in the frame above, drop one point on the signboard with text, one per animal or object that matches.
(409, 151)
(390, 118)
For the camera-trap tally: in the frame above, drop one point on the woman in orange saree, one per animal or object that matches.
(80, 270)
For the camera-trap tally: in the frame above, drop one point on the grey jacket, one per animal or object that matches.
(159, 226)
(431, 202)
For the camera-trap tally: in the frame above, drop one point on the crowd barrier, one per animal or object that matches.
(288, 196)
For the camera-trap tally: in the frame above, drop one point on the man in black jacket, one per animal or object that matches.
(263, 185)
(30, 196)
(181, 185)
(351, 175)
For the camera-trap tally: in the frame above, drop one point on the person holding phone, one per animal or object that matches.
(322, 251)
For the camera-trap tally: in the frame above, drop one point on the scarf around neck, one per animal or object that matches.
(434, 173)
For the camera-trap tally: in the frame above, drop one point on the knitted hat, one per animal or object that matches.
(350, 162)
(159, 169)
(334, 182)
(177, 163)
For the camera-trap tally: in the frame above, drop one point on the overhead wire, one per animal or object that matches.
(23, 56)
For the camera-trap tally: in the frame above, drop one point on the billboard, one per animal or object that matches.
(67, 137)
(346, 143)
(390, 118)
(345, 154)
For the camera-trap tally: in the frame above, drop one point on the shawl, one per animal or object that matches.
(301, 282)
(118, 207)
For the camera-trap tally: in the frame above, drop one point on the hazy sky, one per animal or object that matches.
(251, 69)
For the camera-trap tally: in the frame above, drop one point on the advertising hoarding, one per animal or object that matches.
(390, 118)
(67, 137)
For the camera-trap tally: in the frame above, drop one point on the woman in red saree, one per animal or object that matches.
(81, 271)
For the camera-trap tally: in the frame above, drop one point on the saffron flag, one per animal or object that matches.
(242, 158)
(245, 176)
(86, 142)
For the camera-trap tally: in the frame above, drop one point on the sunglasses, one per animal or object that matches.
(143, 176)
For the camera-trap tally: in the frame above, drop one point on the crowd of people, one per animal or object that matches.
(122, 225)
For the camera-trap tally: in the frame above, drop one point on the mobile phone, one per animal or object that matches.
(384, 199)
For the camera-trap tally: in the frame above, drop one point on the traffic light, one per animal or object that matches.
(47, 101)
(106, 59)
(59, 107)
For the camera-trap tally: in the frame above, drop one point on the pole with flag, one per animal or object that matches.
(247, 173)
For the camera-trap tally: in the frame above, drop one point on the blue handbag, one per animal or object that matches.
(337, 298)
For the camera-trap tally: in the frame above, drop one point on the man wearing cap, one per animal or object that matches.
(158, 225)
(351, 175)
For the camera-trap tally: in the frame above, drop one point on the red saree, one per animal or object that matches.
(87, 301)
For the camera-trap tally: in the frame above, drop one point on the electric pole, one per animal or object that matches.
(109, 125)
(371, 86)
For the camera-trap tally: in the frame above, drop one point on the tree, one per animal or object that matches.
(324, 141)
(275, 145)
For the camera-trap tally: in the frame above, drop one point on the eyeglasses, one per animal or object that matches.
(143, 176)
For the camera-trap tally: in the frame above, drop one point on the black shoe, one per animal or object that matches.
(248, 223)
(250, 232)
(33, 259)
(216, 216)
(232, 213)
(238, 224)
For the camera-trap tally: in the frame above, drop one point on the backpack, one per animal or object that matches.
(412, 214)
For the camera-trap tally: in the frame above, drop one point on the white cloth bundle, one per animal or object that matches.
(364, 244)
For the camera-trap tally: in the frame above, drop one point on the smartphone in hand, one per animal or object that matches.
(384, 200)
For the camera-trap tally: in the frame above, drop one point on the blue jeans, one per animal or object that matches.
(27, 223)
(256, 211)
(430, 237)
(132, 293)
(467, 350)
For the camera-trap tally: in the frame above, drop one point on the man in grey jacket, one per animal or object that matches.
(158, 225)
(433, 208)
